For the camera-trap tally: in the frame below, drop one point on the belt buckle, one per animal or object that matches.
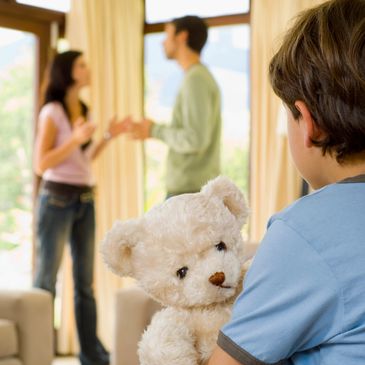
(86, 197)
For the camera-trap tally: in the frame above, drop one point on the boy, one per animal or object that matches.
(304, 296)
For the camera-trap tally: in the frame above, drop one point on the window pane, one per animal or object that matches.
(158, 11)
(227, 56)
(17, 71)
(58, 5)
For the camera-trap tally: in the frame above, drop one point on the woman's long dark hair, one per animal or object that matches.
(60, 79)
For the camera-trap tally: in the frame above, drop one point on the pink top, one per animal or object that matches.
(76, 168)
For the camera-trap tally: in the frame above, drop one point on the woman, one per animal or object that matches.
(64, 151)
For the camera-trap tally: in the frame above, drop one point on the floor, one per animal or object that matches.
(65, 361)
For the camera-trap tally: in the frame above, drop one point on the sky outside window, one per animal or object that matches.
(58, 5)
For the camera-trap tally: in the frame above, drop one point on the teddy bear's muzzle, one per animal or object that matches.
(218, 279)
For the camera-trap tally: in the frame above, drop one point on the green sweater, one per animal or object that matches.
(193, 136)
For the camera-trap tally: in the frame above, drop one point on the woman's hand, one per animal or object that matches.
(117, 127)
(82, 130)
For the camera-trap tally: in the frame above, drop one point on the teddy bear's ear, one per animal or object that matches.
(118, 244)
(224, 189)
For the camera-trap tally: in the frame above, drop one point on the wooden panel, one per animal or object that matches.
(212, 22)
(13, 9)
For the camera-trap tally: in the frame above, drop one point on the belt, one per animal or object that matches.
(85, 192)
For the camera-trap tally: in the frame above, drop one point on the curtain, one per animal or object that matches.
(274, 181)
(110, 32)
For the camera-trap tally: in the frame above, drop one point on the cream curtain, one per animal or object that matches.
(110, 32)
(274, 180)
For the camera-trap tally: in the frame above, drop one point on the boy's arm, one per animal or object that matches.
(220, 357)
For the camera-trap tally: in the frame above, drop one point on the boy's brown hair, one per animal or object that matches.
(322, 63)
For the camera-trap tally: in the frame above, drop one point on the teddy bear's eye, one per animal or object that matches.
(181, 273)
(221, 246)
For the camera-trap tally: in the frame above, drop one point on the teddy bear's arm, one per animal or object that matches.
(168, 340)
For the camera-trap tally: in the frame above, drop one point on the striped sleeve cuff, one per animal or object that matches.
(239, 354)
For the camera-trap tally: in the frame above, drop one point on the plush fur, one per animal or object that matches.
(198, 235)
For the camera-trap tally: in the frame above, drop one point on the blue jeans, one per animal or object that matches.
(71, 219)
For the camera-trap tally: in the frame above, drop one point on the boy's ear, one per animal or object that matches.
(223, 188)
(311, 130)
(118, 244)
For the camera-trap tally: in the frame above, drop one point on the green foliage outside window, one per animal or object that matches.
(15, 152)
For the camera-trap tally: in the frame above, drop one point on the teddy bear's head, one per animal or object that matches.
(186, 252)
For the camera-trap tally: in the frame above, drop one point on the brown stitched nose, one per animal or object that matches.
(217, 278)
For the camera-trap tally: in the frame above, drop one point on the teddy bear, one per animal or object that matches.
(188, 254)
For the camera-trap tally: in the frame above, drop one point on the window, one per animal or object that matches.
(17, 69)
(227, 56)
(158, 11)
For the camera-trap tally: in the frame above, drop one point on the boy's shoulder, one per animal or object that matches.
(328, 208)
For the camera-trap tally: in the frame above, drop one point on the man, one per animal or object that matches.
(193, 136)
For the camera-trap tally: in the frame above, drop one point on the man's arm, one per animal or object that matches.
(195, 113)
(220, 357)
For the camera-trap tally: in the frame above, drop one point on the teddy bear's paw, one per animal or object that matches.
(165, 357)
(163, 351)
(166, 342)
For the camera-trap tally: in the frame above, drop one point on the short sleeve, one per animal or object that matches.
(51, 110)
(291, 302)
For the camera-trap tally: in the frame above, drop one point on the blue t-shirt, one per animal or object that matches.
(304, 296)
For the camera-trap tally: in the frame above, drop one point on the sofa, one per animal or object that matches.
(133, 313)
(26, 328)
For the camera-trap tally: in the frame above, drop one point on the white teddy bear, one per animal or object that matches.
(187, 254)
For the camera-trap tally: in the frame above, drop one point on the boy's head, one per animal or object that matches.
(189, 30)
(319, 73)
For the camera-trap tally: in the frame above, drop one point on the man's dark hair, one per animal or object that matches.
(196, 28)
(322, 63)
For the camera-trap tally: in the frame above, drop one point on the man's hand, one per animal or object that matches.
(141, 130)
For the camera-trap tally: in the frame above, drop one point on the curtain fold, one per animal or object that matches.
(110, 32)
(274, 181)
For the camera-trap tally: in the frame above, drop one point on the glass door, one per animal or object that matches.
(17, 100)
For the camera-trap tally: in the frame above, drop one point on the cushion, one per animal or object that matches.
(8, 338)
(10, 361)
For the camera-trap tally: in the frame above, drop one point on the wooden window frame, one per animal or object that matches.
(234, 19)
(215, 21)
(37, 21)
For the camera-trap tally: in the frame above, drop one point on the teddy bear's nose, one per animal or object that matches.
(217, 278)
